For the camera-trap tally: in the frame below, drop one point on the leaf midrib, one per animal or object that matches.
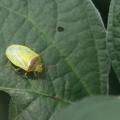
(34, 92)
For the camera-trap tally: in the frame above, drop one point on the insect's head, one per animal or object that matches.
(38, 68)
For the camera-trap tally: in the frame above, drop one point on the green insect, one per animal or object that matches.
(24, 58)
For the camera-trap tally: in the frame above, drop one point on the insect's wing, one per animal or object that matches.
(20, 56)
(16, 56)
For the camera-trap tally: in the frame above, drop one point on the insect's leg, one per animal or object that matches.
(17, 69)
(29, 81)
(11, 66)
(14, 69)
(36, 74)
(26, 75)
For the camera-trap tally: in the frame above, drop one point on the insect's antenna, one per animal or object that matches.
(49, 66)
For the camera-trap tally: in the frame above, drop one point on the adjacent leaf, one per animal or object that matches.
(70, 37)
(95, 108)
(113, 35)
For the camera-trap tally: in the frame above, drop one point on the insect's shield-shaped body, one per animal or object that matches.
(25, 58)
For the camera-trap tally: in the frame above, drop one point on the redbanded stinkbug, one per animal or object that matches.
(24, 58)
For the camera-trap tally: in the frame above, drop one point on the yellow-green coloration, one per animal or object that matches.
(25, 58)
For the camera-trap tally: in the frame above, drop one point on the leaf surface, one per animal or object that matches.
(113, 35)
(70, 37)
(94, 108)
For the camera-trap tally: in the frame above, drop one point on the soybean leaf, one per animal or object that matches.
(113, 35)
(94, 108)
(70, 38)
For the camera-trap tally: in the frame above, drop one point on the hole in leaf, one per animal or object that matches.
(60, 29)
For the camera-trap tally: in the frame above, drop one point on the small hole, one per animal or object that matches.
(60, 29)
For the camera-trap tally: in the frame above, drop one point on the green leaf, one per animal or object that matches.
(94, 108)
(70, 37)
(113, 35)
